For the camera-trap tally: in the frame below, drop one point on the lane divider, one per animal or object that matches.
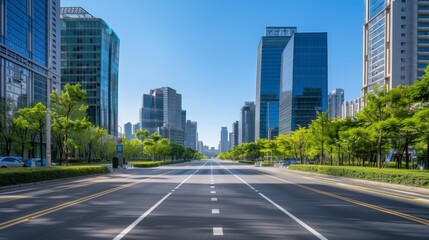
(145, 214)
(371, 206)
(363, 189)
(32, 216)
(300, 222)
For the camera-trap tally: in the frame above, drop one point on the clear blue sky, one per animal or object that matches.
(206, 50)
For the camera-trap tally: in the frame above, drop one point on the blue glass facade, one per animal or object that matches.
(375, 7)
(268, 82)
(23, 52)
(90, 56)
(304, 80)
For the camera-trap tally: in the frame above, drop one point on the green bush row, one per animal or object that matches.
(13, 176)
(147, 164)
(246, 162)
(414, 178)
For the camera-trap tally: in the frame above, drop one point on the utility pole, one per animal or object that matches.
(48, 122)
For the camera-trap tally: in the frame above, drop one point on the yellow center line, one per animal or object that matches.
(34, 215)
(55, 189)
(371, 206)
(363, 189)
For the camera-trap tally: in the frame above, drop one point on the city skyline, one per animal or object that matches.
(211, 60)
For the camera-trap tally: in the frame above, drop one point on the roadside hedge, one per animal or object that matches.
(13, 176)
(414, 178)
(146, 164)
(247, 162)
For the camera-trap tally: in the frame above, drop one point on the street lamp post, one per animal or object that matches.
(48, 123)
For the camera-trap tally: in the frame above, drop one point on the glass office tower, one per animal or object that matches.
(304, 80)
(29, 51)
(90, 56)
(29, 54)
(268, 80)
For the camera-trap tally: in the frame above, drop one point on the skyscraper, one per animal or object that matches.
(29, 51)
(396, 43)
(335, 103)
(136, 127)
(235, 133)
(223, 146)
(268, 80)
(304, 80)
(90, 56)
(128, 130)
(191, 138)
(29, 55)
(162, 112)
(246, 126)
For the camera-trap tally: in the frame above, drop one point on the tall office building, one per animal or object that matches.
(183, 119)
(246, 126)
(235, 132)
(90, 56)
(223, 145)
(128, 130)
(268, 80)
(29, 51)
(335, 103)
(396, 43)
(162, 112)
(304, 80)
(191, 136)
(136, 127)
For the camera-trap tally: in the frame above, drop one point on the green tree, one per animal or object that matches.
(319, 137)
(70, 114)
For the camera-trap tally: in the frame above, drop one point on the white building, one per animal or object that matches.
(335, 103)
(351, 108)
(396, 43)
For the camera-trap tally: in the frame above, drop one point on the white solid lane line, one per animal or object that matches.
(215, 211)
(145, 214)
(310, 229)
(217, 231)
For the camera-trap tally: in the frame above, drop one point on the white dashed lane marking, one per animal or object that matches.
(217, 231)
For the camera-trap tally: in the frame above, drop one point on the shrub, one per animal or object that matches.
(146, 164)
(247, 162)
(12, 176)
(414, 178)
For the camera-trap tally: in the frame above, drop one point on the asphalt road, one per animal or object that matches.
(213, 199)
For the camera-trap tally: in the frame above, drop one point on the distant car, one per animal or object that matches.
(9, 161)
(36, 162)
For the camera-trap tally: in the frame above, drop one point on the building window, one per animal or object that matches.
(403, 44)
(403, 18)
(403, 60)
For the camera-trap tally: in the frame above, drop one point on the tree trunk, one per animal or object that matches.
(407, 157)
(41, 146)
(427, 154)
(379, 141)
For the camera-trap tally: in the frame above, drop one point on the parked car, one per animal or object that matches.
(36, 162)
(10, 161)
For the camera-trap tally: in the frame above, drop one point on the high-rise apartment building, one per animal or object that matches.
(246, 125)
(162, 112)
(90, 57)
(136, 127)
(351, 108)
(191, 136)
(304, 80)
(29, 54)
(396, 43)
(128, 131)
(223, 145)
(183, 119)
(268, 80)
(335, 103)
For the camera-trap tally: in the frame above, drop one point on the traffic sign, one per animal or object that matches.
(120, 148)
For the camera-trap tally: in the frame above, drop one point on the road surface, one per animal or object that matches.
(213, 199)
